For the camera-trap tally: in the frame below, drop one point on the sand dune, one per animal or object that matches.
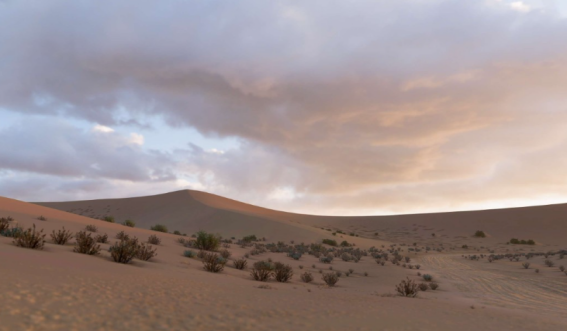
(189, 211)
(55, 288)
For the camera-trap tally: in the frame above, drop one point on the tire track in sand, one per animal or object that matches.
(527, 292)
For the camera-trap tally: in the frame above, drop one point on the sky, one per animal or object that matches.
(351, 107)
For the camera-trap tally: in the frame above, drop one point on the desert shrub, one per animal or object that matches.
(101, 238)
(330, 242)
(250, 238)
(240, 264)
(4, 224)
(345, 243)
(423, 287)
(146, 252)
(262, 271)
(407, 288)
(159, 228)
(282, 272)
(129, 223)
(562, 268)
(330, 278)
(85, 244)
(201, 254)
(516, 241)
(109, 219)
(122, 236)
(339, 274)
(225, 254)
(366, 274)
(213, 262)
(427, 277)
(306, 277)
(433, 286)
(207, 241)
(124, 250)
(30, 238)
(61, 237)
(189, 254)
(11, 233)
(91, 228)
(181, 240)
(480, 234)
(177, 232)
(549, 263)
(154, 240)
(42, 218)
(526, 265)
(536, 271)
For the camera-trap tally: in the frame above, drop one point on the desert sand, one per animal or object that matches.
(58, 289)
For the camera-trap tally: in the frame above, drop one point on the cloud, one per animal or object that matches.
(394, 105)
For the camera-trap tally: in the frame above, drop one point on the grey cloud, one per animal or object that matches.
(57, 148)
(348, 98)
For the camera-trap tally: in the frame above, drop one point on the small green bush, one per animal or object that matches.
(189, 254)
(427, 277)
(159, 228)
(109, 219)
(250, 238)
(176, 232)
(207, 241)
(129, 223)
(330, 242)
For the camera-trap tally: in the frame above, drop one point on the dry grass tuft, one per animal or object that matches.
(85, 244)
(61, 237)
(30, 238)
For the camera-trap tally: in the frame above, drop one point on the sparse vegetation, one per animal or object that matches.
(213, 262)
(262, 271)
(30, 238)
(91, 228)
(129, 223)
(146, 252)
(423, 287)
(101, 238)
(240, 264)
(124, 250)
(516, 241)
(549, 263)
(330, 278)
(189, 254)
(427, 277)
(526, 265)
(85, 244)
(433, 286)
(330, 242)
(4, 224)
(61, 237)
(42, 218)
(480, 234)
(282, 272)
(207, 241)
(122, 236)
(154, 240)
(159, 228)
(407, 288)
(109, 219)
(306, 277)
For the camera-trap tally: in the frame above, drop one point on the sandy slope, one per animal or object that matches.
(189, 211)
(57, 289)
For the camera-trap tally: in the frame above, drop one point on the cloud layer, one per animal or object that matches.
(350, 107)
